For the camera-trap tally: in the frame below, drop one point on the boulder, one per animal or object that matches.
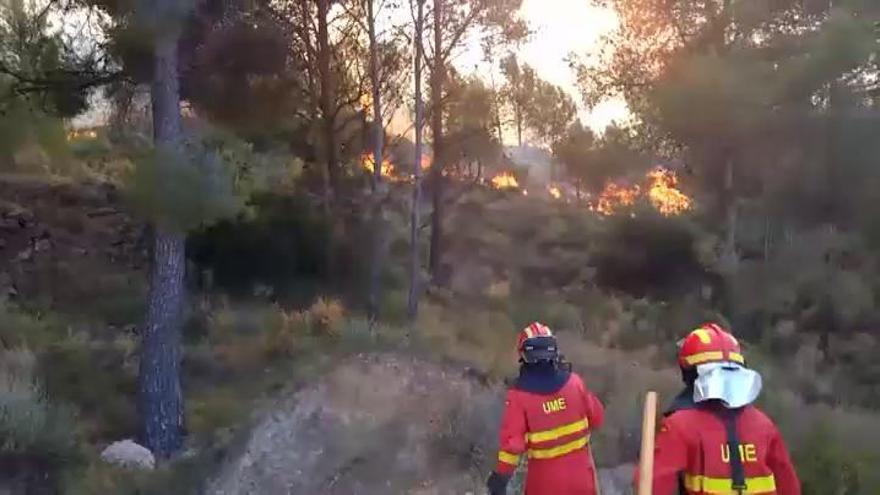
(129, 454)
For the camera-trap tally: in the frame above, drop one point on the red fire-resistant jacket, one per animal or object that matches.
(553, 431)
(693, 442)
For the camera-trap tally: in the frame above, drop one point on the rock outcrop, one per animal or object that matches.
(374, 426)
(129, 454)
(53, 232)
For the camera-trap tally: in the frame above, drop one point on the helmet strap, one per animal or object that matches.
(689, 376)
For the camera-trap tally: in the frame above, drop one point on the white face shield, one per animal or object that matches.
(731, 383)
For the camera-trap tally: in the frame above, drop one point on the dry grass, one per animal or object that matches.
(326, 316)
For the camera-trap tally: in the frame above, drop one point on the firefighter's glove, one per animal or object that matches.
(497, 483)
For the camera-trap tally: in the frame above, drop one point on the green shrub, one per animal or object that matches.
(182, 477)
(213, 410)
(99, 379)
(283, 244)
(21, 329)
(827, 467)
(394, 306)
(87, 290)
(647, 255)
(31, 425)
(183, 190)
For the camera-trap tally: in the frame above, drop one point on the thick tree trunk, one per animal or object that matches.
(437, 179)
(328, 98)
(161, 400)
(378, 221)
(415, 217)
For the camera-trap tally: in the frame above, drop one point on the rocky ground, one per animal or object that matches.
(378, 424)
(54, 234)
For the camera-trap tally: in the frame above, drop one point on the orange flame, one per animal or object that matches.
(555, 192)
(74, 135)
(616, 196)
(664, 193)
(369, 164)
(505, 180)
(661, 191)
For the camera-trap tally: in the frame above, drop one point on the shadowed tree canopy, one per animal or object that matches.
(535, 106)
(470, 123)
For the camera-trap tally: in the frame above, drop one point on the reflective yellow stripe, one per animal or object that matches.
(703, 335)
(735, 356)
(704, 357)
(724, 486)
(562, 431)
(563, 449)
(508, 458)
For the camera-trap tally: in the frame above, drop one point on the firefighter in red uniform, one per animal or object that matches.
(713, 440)
(548, 417)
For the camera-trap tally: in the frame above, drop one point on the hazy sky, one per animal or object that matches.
(560, 27)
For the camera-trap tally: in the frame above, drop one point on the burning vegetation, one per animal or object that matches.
(390, 171)
(661, 189)
(664, 193)
(615, 197)
(369, 164)
(505, 180)
(81, 134)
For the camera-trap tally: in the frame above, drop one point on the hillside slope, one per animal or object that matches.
(377, 424)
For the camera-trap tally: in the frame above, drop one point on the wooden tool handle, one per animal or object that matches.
(595, 473)
(646, 459)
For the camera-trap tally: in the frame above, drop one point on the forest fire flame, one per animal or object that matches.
(369, 165)
(661, 191)
(554, 191)
(74, 135)
(614, 197)
(505, 180)
(664, 193)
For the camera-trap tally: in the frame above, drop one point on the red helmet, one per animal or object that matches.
(537, 343)
(709, 343)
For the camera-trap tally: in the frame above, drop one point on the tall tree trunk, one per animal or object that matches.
(730, 212)
(437, 178)
(497, 110)
(161, 400)
(415, 220)
(328, 99)
(378, 222)
(519, 124)
(330, 172)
